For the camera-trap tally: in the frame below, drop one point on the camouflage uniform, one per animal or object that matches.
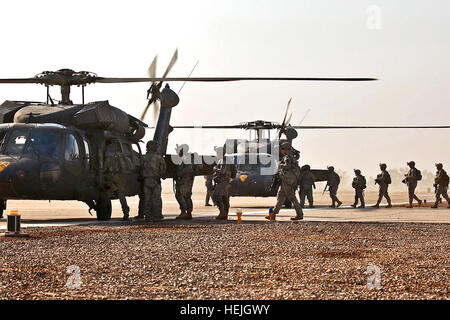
(288, 183)
(411, 179)
(333, 184)
(154, 168)
(441, 184)
(359, 184)
(383, 179)
(209, 190)
(222, 177)
(306, 186)
(185, 174)
(115, 179)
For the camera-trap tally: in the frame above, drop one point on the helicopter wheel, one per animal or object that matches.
(104, 207)
(288, 204)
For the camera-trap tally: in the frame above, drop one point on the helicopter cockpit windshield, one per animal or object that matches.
(255, 164)
(23, 141)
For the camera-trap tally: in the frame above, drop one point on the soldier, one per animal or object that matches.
(184, 181)
(288, 182)
(209, 190)
(307, 184)
(441, 185)
(115, 171)
(154, 168)
(333, 184)
(223, 173)
(359, 184)
(384, 180)
(411, 179)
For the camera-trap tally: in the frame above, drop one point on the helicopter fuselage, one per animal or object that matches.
(55, 162)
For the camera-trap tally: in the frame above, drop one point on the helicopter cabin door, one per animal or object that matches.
(73, 164)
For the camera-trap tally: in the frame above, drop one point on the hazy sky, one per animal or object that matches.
(409, 53)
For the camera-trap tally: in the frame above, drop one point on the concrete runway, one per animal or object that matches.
(62, 213)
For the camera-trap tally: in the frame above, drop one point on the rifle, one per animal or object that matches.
(325, 189)
(275, 182)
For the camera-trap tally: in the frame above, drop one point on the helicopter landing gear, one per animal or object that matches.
(103, 207)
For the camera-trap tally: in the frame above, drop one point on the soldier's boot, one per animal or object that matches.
(333, 205)
(435, 205)
(140, 216)
(376, 205)
(222, 216)
(188, 216)
(363, 205)
(389, 204)
(182, 215)
(419, 203)
(299, 216)
(339, 204)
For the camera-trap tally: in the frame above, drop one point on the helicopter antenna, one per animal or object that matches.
(188, 76)
(304, 117)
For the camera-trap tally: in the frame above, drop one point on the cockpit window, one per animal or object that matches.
(72, 151)
(44, 143)
(16, 142)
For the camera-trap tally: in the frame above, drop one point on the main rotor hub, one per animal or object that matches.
(260, 125)
(65, 77)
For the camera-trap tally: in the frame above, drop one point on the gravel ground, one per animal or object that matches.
(201, 260)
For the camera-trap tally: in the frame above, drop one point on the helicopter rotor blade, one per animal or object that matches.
(20, 80)
(152, 73)
(371, 127)
(171, 63)
(214, 79)
(156, 109)
(283, 124)
(210, 127)
(288, 121)
(152, 69)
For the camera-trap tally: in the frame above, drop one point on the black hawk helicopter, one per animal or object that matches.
(256, 159)
(56, 151)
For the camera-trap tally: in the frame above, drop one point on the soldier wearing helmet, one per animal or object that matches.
(359, 184)
(384, 180)
(306, 185)
(411, 179)
(333, 182)
(441, 185)
(116, 168)
(288, 182)
(184, 181)
(223, 174)
(154, 168)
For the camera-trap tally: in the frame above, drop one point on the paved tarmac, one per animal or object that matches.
(61, 213)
